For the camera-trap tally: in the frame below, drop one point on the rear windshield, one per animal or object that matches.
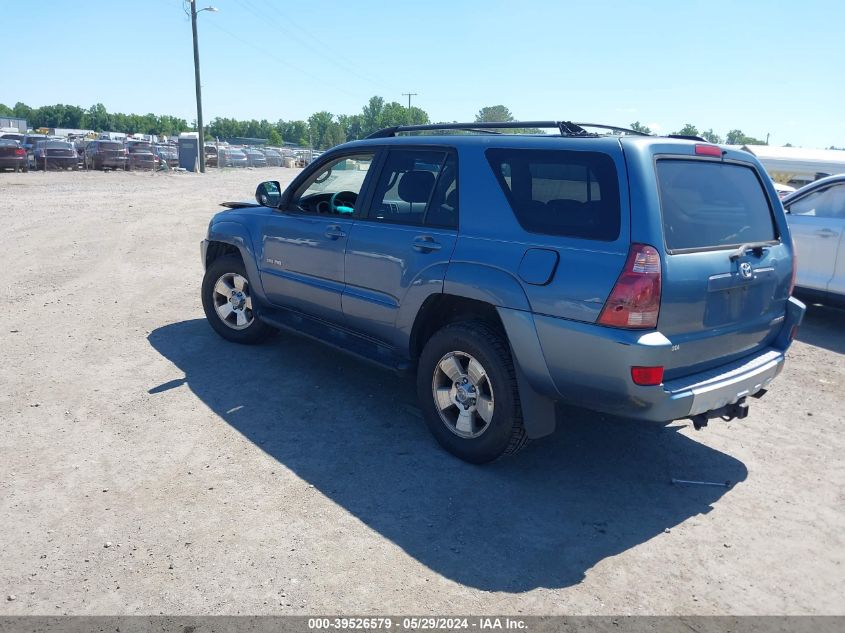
(559, 192)
(110, 145)
(709, 204)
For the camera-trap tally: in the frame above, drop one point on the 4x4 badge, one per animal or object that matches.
(745, 270)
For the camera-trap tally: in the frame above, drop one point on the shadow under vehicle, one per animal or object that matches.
(598, 487)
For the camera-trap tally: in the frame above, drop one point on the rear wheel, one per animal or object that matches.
(228, 302)
(467, 389)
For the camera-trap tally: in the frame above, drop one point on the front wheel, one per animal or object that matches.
(466, 385)
(227, 299)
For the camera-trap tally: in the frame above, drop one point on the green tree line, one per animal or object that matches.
(95, 118)
(321, 131)
(733, 137)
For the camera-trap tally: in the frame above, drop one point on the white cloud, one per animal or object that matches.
(654, 127)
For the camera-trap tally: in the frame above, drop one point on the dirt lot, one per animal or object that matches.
(147, 466)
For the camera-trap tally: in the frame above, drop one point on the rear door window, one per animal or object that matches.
(559, 192)
(709, 204)
(406, 186)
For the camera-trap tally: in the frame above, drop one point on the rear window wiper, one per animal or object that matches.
(754, 247)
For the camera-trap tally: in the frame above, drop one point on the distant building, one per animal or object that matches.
(60, 131)
(797, 166)
(14, 125)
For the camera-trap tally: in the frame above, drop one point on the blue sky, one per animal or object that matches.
(760, 66)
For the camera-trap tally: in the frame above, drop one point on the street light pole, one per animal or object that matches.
(201, 135)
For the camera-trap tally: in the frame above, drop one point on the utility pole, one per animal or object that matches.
(201, 134)
(409, 95)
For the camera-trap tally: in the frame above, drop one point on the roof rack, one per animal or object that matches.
(565, 128)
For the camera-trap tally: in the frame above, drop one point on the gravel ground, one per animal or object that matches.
(149, 467)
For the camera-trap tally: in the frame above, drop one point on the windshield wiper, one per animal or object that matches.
(754, 247)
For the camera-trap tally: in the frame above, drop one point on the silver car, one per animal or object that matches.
(816, 216)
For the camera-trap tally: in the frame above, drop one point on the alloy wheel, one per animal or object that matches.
(233, 302)
(463, 394)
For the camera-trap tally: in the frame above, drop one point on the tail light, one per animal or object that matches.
(647, 376)
(708, 150)
(634, 301)
(20, 152)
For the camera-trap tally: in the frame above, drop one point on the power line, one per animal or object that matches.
(308, 41)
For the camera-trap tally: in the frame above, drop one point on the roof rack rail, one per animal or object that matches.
(565, 128)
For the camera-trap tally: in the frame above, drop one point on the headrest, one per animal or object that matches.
(416, 186)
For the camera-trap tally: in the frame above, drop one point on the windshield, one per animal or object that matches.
(710, 204)
(57, 145)
(140, 147)
(110, 145)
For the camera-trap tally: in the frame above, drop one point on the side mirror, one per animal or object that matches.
(268, 194)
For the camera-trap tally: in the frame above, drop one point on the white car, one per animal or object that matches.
(783, 190)
(816, 216)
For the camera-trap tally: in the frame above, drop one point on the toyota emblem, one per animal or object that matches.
(745, 270)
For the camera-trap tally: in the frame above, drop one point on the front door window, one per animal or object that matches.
(334, 188)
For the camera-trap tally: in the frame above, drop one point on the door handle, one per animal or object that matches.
(426, 244)
(826, 233)
(334, 232)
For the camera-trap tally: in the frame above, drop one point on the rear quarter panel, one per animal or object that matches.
(491, 236)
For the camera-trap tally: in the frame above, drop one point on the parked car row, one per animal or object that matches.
(22, 152)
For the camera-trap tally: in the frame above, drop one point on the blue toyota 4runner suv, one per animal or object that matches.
(642, 276)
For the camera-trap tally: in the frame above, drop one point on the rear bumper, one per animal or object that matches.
(589, 365)
(61, 161)
(111, 161)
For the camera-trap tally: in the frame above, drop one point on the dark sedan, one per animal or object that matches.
(106, 155)
(274, 159)
(141, 155)
(12, 155)
(255, 158)
(55, 155)
(231, 157)
(210, 156)
(168, 154)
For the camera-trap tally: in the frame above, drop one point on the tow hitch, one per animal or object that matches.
(735, 411)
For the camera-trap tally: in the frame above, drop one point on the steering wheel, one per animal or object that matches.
(338, 205)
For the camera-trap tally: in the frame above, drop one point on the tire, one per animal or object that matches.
(225, 273)
(475, 439)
